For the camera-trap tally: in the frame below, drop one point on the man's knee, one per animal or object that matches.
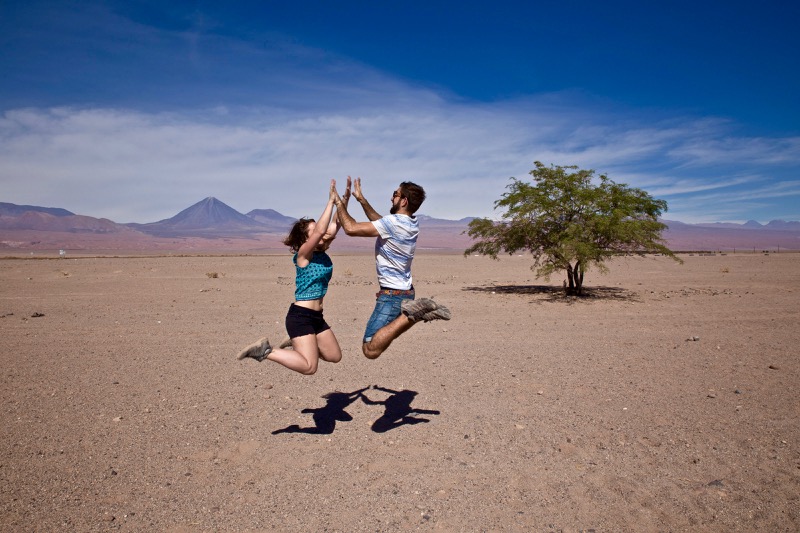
(369, 351)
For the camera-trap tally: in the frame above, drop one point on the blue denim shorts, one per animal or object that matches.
(387, 308)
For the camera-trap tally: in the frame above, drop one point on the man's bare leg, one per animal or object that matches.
(414, 311)
(384, 336)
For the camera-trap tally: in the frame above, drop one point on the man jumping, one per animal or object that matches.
(396, 309)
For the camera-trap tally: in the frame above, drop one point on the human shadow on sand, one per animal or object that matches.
(397, 409)
(325, 417)
(552, 293)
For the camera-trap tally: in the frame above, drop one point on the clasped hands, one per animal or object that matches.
(356, 192)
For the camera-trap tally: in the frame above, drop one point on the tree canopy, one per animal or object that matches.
(568, 219)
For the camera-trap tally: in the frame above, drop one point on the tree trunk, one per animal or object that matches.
(575, 278)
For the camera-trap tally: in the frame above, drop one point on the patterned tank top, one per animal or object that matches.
(311, 281)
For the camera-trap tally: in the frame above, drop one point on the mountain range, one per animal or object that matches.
(212, 225)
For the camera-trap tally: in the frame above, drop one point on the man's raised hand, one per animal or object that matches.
(357, 189)
(346, 197)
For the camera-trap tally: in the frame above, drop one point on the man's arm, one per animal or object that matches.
(350, 226)
(359, 196)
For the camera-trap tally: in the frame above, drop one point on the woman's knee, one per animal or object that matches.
(331, 358)
(310, 370)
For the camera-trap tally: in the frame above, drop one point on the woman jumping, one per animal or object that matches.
(311, 337)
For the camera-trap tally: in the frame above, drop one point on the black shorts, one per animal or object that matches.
(301, 321)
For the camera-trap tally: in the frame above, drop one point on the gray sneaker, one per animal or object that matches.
(416, 309)
(286, 344)
(440, 313)
(259, 350)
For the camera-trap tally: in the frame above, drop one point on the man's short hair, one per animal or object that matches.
(414, 194)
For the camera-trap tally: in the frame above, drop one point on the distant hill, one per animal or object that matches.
(684, 237)
(209, 218)
(45, 221)
(14, 210)
(272, 219)
(212, 225)
(783, 225)
(779, 225)
(427, 221)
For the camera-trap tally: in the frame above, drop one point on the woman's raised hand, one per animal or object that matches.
(333, 194)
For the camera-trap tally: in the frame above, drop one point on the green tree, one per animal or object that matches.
(570, 221)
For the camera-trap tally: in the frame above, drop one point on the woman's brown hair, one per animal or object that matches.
(298, 234)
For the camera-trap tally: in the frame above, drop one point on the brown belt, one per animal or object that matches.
(395, 292)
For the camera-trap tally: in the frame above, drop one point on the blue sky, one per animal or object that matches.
(135, 110)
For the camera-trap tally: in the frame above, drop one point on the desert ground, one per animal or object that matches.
(666, 399)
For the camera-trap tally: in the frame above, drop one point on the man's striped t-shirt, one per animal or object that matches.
(394, 250)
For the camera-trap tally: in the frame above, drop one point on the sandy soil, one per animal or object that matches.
(667, 400)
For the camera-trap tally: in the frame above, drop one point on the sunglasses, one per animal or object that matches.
(395, 194)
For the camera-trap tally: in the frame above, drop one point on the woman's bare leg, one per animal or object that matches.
(303, 358)
(329, 349)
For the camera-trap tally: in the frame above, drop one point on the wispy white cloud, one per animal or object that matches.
(674, 186)
(135, 166)
(727, 149)
(266, 124)
(735, 203)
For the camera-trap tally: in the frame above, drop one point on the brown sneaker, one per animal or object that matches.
(415, 309)
(259, 350)
(440, 313)
(286, 344)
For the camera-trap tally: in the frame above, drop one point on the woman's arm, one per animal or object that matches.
(321, 227)
(334, 226)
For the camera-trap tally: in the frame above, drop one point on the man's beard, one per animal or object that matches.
(395, 208)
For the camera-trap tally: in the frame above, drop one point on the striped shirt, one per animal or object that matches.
(394, 250)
